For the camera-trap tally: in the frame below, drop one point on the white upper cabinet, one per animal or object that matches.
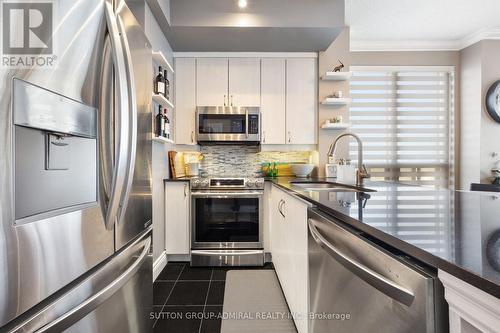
(284, 88)
(273, 99)
(185, 100)
(211, 81)
(244, 82)
(301, 101)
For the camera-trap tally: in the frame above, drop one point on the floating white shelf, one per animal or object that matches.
(160, 99)
(335, 126)
(336, 76)
(160, 59)
(336, 101)
(162, 139)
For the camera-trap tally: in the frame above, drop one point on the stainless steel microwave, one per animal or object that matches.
(228, 124)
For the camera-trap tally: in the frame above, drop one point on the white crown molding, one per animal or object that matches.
(425, 45)
(485, 34)
(400, 45)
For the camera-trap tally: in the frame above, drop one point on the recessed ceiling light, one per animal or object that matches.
(242, 3)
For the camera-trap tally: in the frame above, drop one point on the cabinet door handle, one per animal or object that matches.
(280, 207)
(264, 136)
(289, 137)
(185, 188)
(231, 100)
(224, 100)
(192, 136)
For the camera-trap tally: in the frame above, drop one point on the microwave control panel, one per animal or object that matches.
(253, 124)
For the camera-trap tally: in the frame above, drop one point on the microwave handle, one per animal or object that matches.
(246, 123)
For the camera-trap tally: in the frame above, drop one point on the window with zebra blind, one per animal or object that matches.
(405, 117)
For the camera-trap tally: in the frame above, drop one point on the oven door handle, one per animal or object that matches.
(225, 252)
(226, 194)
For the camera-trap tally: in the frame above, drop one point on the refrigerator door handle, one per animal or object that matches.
(122, 105)
(90, 304)
(384, 285)
(132, 116)
(107, 154)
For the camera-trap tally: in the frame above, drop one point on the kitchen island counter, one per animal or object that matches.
(455, 231)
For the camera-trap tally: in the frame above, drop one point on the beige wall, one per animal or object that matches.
(328, 59)
(470, 101)
(480, 134)
(340, 50)
(490, 130)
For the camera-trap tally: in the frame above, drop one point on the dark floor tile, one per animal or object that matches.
(196, 273)
(216, 293)
(171, 272)
(161, 290)
(185, 319)
(220, 273)
(156, 313)
(212, 319)
(189, 293)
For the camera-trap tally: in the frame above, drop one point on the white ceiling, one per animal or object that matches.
(420, 24)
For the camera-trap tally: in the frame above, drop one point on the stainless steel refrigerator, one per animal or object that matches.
(75, 178)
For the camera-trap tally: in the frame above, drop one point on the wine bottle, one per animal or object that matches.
(167, 85)
(160, 125)
(166, 125)
(159, 86)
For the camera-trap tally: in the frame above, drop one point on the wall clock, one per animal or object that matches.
(493, 101)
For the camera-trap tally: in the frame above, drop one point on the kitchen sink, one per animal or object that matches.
(327, 186)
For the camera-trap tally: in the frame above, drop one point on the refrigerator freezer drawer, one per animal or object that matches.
(116, 297)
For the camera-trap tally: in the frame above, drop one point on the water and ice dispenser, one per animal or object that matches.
(55, 153)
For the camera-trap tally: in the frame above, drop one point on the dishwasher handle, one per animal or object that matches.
(381, 283)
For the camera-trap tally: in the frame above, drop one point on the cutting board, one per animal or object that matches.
(177, 165)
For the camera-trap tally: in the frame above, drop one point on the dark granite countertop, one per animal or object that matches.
(455, 231)
(182, 179)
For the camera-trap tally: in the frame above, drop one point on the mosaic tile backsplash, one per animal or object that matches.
(244, 160)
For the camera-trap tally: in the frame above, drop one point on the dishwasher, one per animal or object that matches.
(357, 285)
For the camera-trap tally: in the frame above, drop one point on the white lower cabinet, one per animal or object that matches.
(177, 207)
(471, 310)
(288, 242)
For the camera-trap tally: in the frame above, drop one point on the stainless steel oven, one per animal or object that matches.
(228, 124)
(227, 216)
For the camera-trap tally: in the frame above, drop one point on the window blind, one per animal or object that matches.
(405, 120)
(421, 216)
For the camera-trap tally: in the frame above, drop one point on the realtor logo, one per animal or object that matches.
(27, 33)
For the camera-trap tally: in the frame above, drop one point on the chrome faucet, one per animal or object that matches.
(361, 173)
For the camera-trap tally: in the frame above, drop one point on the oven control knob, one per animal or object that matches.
(195, 183)
(259, 183)
(204, 183)
(251, 183)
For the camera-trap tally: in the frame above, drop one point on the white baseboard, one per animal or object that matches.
(159, 264)
(178, 257)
